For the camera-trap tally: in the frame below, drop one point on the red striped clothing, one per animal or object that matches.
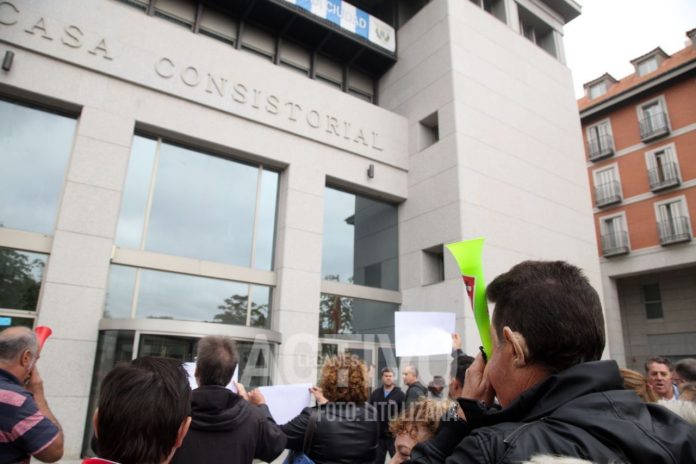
(24, 430)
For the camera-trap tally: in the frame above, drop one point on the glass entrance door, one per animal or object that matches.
(181, 348)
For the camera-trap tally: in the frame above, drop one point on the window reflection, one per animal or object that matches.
(360, 240)
(200, 206)
(20, 279)
(34, 150)
(167, 295)
(346, 316)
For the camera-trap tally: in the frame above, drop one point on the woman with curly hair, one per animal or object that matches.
(343, 427)
(416, 424)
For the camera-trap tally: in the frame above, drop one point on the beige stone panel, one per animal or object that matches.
(105, 126)
(71, 412)
(297, 291)
(79, 259)
(98, 163)
(72, 312)
(89, 210)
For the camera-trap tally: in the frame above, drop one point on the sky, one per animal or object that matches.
(610, 33)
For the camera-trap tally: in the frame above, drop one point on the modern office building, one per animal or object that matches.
(640, 134)
(282, 172)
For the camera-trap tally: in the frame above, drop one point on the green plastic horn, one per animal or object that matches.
(468, 255)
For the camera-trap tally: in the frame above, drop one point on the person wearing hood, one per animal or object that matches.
(226, 426)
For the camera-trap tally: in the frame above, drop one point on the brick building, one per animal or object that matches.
(640, 142)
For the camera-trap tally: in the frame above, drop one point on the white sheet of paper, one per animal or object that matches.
(423, 333)
(286, 401)
(190, 368)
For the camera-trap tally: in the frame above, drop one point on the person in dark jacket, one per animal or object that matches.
(346, 430)
(556, 398)
(416, 390)
(388, 400)
(225, 426)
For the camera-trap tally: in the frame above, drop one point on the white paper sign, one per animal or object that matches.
(286, 401)
(423, 333)
(190, 368)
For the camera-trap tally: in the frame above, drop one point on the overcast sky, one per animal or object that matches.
(610, 33)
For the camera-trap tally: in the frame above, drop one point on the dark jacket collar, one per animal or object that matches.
(552, 393)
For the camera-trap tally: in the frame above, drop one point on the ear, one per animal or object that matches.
(518, 345)
(183, 430)
(25, 358)
(95, 421)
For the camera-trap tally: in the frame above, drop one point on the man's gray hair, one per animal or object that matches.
(14, 341)
(686, 368)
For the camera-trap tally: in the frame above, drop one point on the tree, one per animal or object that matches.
(19, 288)
(335, 313)
(234, 311)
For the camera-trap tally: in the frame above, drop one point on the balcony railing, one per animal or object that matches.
(675, 230)
(608, 193)
(663, 176)
(653, 126)
(601, 147)
(615, 243)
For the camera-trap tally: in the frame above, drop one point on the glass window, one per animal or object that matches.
(34, 149)
(647, 66)
(186, 203)
(360, 240)
(345, 316)
(653, 301)
(167, 295)
(20, 280)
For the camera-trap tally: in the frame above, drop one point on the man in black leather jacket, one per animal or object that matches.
(555, 396)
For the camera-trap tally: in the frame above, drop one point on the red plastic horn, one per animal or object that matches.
(42, 333)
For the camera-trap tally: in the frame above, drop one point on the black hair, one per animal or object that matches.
(459, 366)
(142, 405)
(553, 305)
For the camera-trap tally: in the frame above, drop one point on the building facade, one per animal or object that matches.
(282, 172)
(640, 139)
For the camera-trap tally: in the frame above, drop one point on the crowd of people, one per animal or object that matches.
(543, 396)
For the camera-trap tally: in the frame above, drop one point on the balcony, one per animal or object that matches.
(663, 176)
(675, 230)
(601, 147)
(654, 126)
(615, 243)
(608, 193)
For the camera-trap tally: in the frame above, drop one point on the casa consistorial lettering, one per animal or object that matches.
(245, 94)
(70, 35)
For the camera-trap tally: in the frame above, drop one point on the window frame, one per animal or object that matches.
(684, 210)
(640, 113)
(651, 158)
(614, 167)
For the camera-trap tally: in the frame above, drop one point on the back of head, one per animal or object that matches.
(142, 405)
(14, 341)
(216, 360)
(686, 368)
(554, 307)
(636, 381)
(344, 379)
(459, 366)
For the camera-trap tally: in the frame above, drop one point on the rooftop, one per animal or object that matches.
(670, 63)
